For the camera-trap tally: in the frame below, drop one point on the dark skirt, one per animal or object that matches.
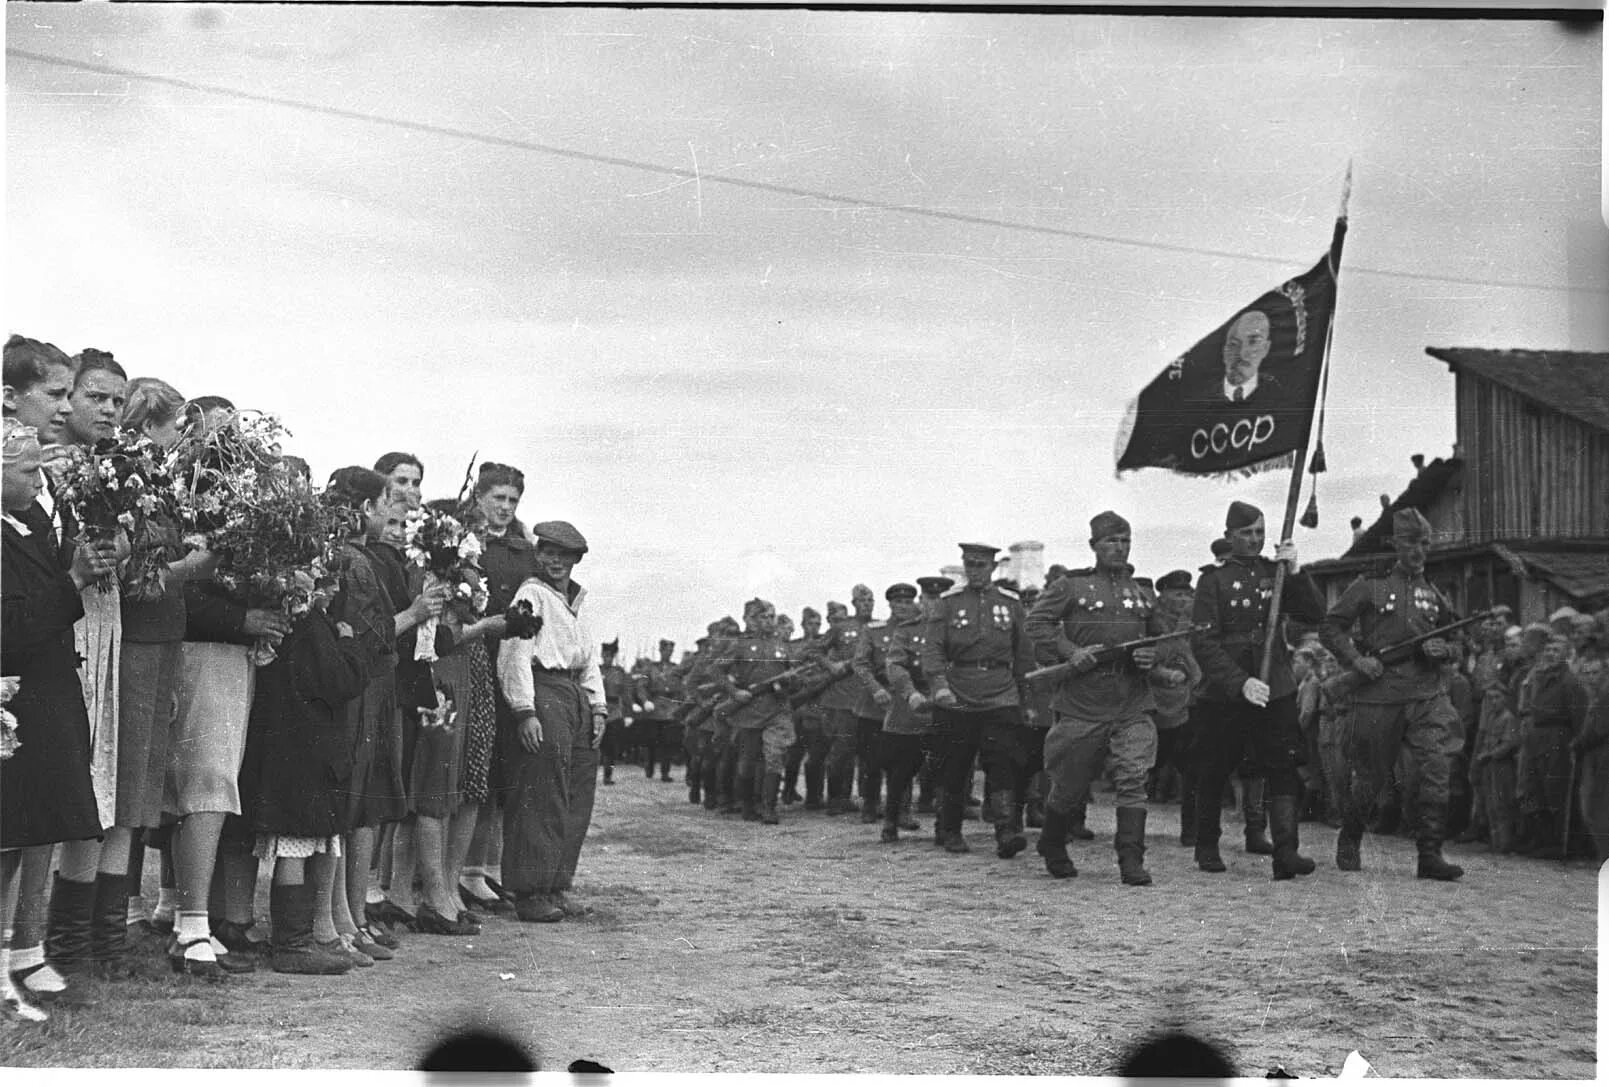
(147, 709)
(374, 794)
(45, 790)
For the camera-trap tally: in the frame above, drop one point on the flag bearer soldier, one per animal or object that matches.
(871, 707)
(1242, 710)
(657, 691)
(809, 748)
(1399, 703)
(617, 696)
(976, 657)
(1103, 706)
(837, 649)
(761, 718)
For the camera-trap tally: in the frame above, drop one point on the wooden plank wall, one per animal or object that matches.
(1528, 471)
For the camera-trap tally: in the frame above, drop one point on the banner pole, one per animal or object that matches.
(1294, 494)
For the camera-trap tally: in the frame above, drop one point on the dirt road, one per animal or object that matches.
(722, 946)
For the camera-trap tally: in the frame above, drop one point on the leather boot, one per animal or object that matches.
(1052, 845)
(72, 912)
(1035, 814)
(813, 782)
(1348, 845)
(1209, 826)
(1130, 844)
(695, 791)
(108, 936)
(1187, 809)
(770, 787)
(1432, 831)
(294, 949)
(746, 799)
(1256, 818)
(711, 776)
(1075, 825)
(1283, 818)
(891, 819)
(1008, 837)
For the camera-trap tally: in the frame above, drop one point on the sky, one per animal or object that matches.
(736, 392)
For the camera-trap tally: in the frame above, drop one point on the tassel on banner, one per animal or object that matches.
(1310, 517)
(1317, 465)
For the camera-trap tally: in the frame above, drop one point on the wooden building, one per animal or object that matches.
(1520, 511)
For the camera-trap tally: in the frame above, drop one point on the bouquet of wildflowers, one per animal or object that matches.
(8, 720)
(449, 553)
(122, 486)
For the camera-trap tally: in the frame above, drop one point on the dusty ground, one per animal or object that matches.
(721, 946)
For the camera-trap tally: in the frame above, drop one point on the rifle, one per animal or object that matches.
(770, 686)
(701, 706)
(1109, 653)
(1569, 807)
(1345, 682)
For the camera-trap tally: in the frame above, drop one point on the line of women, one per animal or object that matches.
(388, 791)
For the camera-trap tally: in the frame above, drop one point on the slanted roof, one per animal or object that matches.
(1573, 383)
(1584, 576)
(1420, 494)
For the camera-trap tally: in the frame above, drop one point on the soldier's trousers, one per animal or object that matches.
(1337, 774)
(1225, 732)
(548, 796)
(1075, 750)
(613, 742)
(659, 739)
(868, 736)
(899, 757)
(764, 750)
(1494, 793)
(998, 736)
(808, 750)
(1373, 736)
(842, 737)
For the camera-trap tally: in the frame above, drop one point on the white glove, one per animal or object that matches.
(648, 707)
(1286, 553)
(1255, 691)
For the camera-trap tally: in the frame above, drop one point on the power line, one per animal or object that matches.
(761, 186)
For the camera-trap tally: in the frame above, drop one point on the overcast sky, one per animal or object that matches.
(733, 391)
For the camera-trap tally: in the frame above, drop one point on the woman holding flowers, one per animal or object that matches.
(46, 795)
(508, 559)
(363, 603)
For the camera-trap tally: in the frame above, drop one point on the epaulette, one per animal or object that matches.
(1006, 592)
(874, 625)
(1084, 571)
(956, 591)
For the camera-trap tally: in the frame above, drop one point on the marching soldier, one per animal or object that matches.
(1399, 703)
(910, 711)
(872, 706)
(976, 657)
(761, 717)
(657, 691)
(616, 694)
(809, 749)
(1103, 707)
(713, 727)
(837, 649)
(1242, 710)
(1188, 752)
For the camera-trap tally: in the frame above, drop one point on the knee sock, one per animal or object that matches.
(43, 980)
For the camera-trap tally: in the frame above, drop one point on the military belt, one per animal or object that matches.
(572, 673)
(983, 667)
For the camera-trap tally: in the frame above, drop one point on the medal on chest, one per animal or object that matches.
(959, 620)
(1002, 617)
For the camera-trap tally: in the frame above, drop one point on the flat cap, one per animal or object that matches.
(984, 550)
(1409, 524)
(560, 534)
(1566, 612)
(1107, 524)
(1242, 514)
(1173, 579)
(934, 584)
(900, 591)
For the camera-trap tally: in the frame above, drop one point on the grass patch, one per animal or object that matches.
(655, 840)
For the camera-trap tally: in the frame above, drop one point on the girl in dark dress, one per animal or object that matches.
(46, 795)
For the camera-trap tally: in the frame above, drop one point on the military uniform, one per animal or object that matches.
(1405, 705)
(870, 664)
(809, 748)
(658, 690)
(703, 683)
(616, 694)
(908, 726)
(836, 649)
(977, 653)
(1232, 601)
(1103, 713)
(763, 724)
